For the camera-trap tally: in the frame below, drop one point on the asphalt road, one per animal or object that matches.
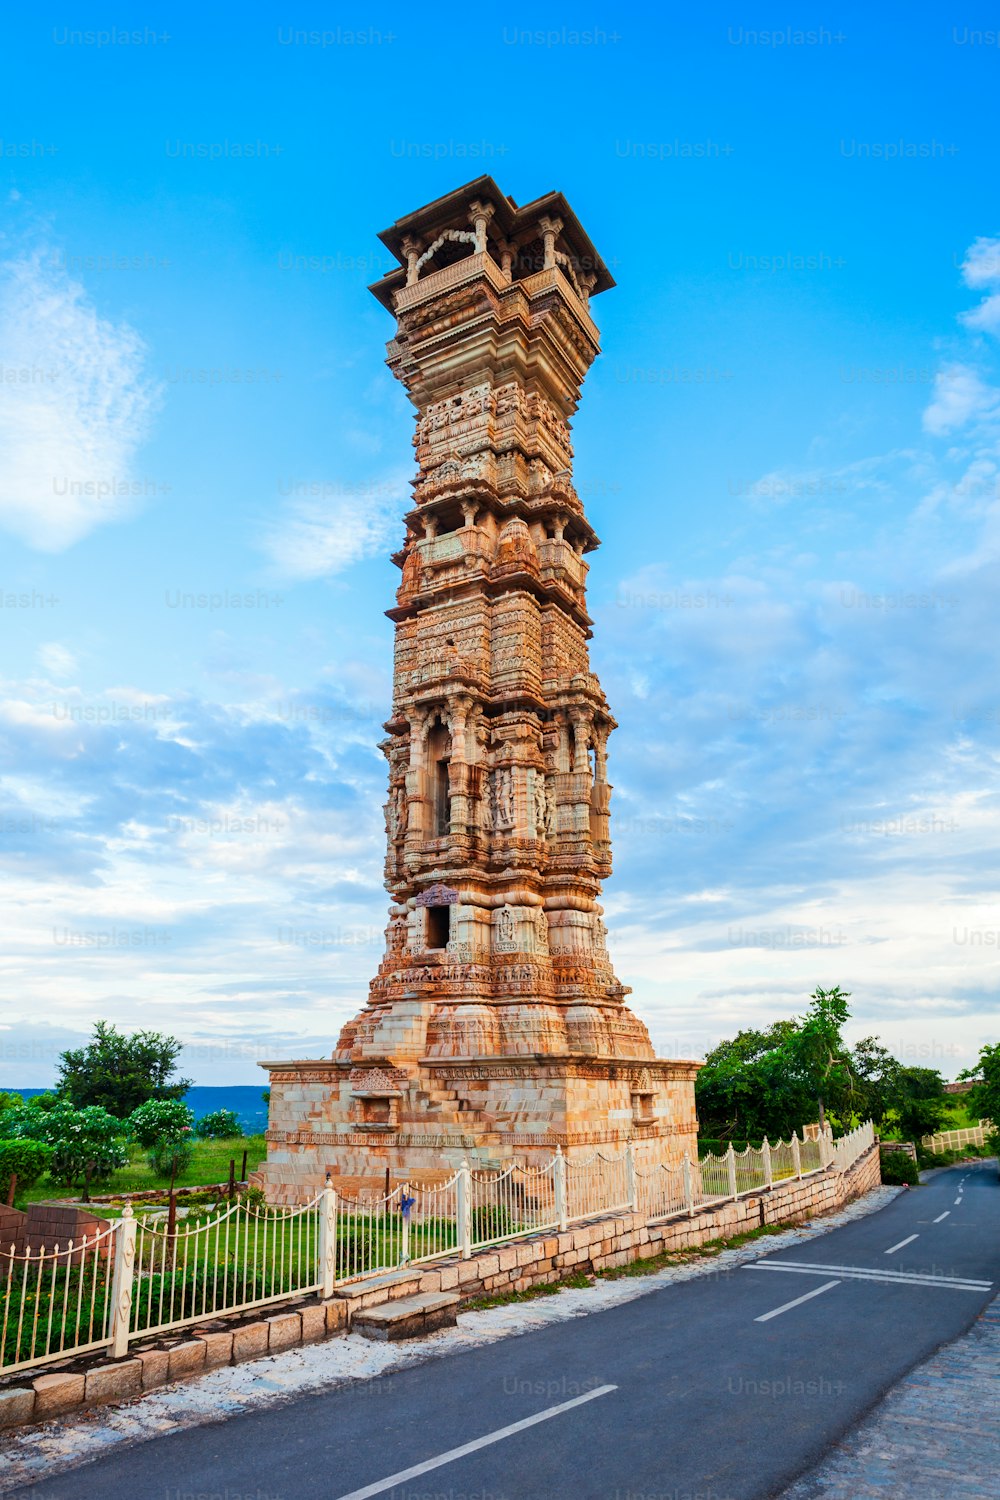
(719, 1388)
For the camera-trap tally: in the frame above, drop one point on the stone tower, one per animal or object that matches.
(495, 1025)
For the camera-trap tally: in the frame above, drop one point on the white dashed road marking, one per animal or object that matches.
(785, 1306)
(908, 1241)
(381, 1485)
(942, 1216)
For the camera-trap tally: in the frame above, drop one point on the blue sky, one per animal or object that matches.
(789, 447)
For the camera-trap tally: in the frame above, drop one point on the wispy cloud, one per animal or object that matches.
(960, 397)
(981, 271)
(325, 528)
(75, 404)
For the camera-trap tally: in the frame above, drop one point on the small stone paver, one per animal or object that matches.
(936, 1436)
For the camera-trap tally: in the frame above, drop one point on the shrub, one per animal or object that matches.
(220, 1125)
(898, 1167)
(85, 1143)
(28, 1159)
(171, 1158)
(491, 1223)
(159, 1121)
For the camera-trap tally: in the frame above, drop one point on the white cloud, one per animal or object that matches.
(986, 317)
(960, 397)
(981, 270)
(981, 266)
(74, 407)
(330, 527)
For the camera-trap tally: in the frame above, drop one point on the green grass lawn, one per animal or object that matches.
(210, 1165)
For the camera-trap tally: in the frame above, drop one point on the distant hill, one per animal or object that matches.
(243, 1099)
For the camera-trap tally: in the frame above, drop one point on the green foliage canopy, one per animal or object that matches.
(119, 1072)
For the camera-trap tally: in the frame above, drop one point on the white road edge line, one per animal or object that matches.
(381, 1485)
(908, 1241)
(942, 1216)
(785, 1306)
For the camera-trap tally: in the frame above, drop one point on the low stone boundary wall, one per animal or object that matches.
(612, 1240)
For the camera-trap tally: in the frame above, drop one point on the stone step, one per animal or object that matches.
(408, 1317)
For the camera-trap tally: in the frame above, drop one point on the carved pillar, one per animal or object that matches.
(411, 249)
(459, 767)
(550, 228)
(480, 215)
(507, 253)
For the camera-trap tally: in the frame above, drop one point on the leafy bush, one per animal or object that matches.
(159, 1121)
(86, 1144)
(491, 1223)
(898, 1167)
(220, 1125)
(28, 1159)
(715, 1146)
(171, 1158)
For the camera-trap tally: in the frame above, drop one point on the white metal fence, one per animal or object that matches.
(954, 1140)
(142, 1276)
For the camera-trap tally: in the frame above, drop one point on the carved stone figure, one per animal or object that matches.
(541, 805)
(503, 798)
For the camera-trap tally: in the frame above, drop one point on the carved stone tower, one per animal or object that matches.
(495, 1025)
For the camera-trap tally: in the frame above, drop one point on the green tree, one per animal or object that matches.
(119, 1072)
(24, 1159)
(818, 1055)
(876, 1080)
(984, 1096)
(86, 1144)
(921, 1102)
(746, 1088)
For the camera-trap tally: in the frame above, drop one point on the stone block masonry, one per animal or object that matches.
(601, 1243)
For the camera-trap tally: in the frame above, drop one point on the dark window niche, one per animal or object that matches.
(438, 926)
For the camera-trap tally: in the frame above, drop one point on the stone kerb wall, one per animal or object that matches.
(620, 1238)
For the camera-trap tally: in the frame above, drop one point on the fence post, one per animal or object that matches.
(796, 1154)
(825, 1149)
(765, 1152)
(404, 1243)
(559, 1181)
(121, 1286)
(688, 1194)
(328, 1241)
(464, 1207)
(631, 1186)
(731, 1169)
